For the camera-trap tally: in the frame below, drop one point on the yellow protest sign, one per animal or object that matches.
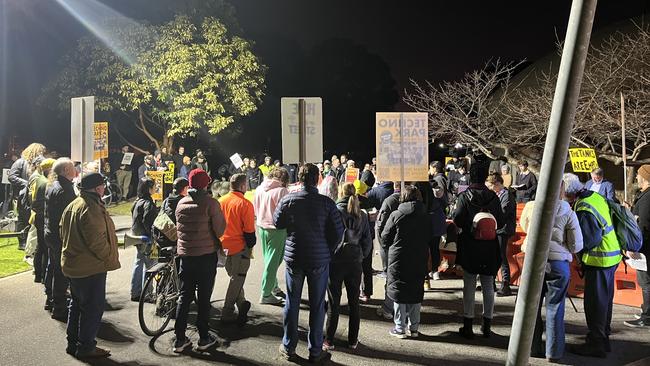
(351, 174)
(100, 140)
(583, 160)
(169, 174)
(402, 146)
(158, 178)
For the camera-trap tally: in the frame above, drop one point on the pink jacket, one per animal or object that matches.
(267, 197)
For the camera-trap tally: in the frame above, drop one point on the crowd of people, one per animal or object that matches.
(324, 228)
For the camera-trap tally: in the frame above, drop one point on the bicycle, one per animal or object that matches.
(160, 294)
(112, 192)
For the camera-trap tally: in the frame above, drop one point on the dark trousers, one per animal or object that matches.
(56, 284)
(22, 222)
(316, 286)
(505, 267)
(599, 297)
(434, 252)
(196, 274)
(367, 275)
(643, 279)
(86, 310)
(40, 255)
(350, 275)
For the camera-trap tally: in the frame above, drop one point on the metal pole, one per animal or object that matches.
(401, 147)
(567, 90)
(624, 149)
(83, 135)
(302, 131)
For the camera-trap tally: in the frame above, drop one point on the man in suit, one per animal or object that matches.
(600, 185)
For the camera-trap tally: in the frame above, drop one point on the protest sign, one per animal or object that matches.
(169, 174)
(351, 174)
(126, 160)
(100, 141)
(158, 178)
(402, 146)
(236, 160)
(583, 160)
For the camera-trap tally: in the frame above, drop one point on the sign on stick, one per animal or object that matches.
(402, 146)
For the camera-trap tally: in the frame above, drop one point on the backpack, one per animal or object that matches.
(484, 226)
(627, 230)
(163, 229)
(349, 246)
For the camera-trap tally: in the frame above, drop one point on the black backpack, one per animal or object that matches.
(349, 248)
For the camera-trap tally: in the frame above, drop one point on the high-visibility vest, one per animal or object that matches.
(608, 253)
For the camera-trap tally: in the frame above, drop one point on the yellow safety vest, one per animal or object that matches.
(608, 253)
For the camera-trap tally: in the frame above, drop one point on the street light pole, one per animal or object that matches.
(567, 90)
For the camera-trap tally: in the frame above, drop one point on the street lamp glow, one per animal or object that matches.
(458, 145)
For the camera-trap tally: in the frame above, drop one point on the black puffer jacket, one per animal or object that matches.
(390, 204)
(408, 231)
(358, 240)
(144, 213)
(169, 205)
(477, 257)
(254, 177)
(58, 196)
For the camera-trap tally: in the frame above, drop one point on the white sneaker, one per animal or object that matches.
(435, 276)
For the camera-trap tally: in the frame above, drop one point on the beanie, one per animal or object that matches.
(91, 180)
(47, 164)
(644, 172)
(360, 187)
(199, 179)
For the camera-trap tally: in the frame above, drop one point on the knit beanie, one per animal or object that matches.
(199, 179)
(644, 172)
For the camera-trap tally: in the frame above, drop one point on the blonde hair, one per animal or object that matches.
(348, 190)
(32, 151)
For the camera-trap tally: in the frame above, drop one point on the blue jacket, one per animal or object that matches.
(606, 189)
(378, 194)
(314, 228)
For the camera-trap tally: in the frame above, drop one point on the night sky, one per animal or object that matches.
(422, 40)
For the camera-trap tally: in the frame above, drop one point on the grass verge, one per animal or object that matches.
(121, 209)
(11, 259)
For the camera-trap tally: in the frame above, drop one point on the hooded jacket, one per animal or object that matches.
(169, 205)
(477, 257)
(267, 197)
(407, 232)
(199, 223)
(357, 240)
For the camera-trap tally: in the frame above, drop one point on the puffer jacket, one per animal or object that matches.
(143, 214)
(199, 223)
(477, 256)
(267, 198)
(407, 232)
(314, 228)
(357, 241)
(390, 204)
(566, 237)
(378, 194)
(58, 196)
(89, 240)
(169, 205)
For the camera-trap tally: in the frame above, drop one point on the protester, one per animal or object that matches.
(200, 162)
(169, 205)
(314, 229)
(58, 195)
(329, 187)
(505, 234)
(345, 267)
(89, 251)
(506, 175)
(434, 200)
(338, 168)
(600, 258)
(327, 169)
(599, 184)
(407, 232)
(37, 191)
(18, 177)
(253, 175)
(641, 209)
(265, 168)
(389, 205)
(149, 165)
(367, 176)
(186, 167)
(566, 239)
(526, 184)
(459, 180)
(200, 223)
(292, 169)
(238, 241)
(123, 175)
(267, 198)
(178, 159)
(478, 252)
(143, 214)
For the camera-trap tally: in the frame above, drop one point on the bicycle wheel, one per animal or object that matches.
(116, 193)
(157, 303)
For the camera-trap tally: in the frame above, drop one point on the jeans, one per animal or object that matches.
(237, 266)
(86, 310)
(469, 294)
(196, 274)
(554, 289)
(350, 275)
(56, 284)
(504, 241)
(123, 181)
(140, 266)
(407, 315)
(599, 299)
(643, 279)
(273, 251)
(316, 286)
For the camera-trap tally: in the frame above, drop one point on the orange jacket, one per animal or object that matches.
(240, 219)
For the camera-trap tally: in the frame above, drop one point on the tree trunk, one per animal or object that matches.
(631, 186)
(168, 142)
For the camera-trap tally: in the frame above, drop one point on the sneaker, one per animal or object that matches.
(638, 323)
(381, 275)
(96, 353)
(71, 349)
(384, 315)
(328, 346)
(322, 358)
(242, 316)
(397, 334)
(413, 333)
(637, 316)
(354, 345)
(271, 300)
(286, 354)
(48, 305)
(277, 292)
(505, 290)
(427, 285)
(206, 343)
(364, 298)
(181, 344)
(436, 276)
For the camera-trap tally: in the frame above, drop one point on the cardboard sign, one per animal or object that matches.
(100, 141)
(583, 160)
(237, 160)
(158, 178)
(351, 174)
(169, 174)
(402, 144)
(291, 133)
(126, 160)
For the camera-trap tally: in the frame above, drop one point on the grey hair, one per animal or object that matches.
(599, 172)
(60, 164)
(572, 184)
(506, 166)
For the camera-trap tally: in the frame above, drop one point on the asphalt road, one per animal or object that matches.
(30, 337)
